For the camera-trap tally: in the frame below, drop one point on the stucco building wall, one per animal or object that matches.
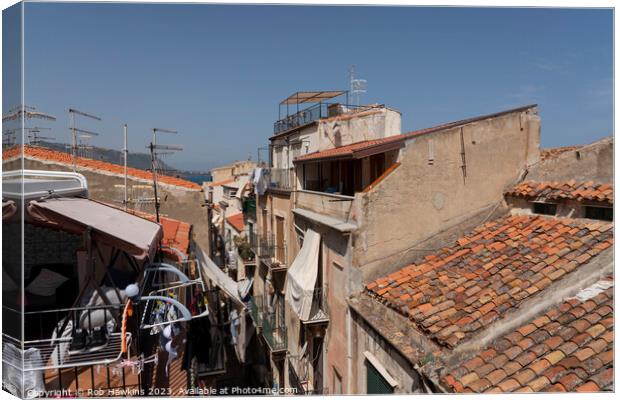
(444, 178)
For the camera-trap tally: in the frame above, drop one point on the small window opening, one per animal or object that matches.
(602, 213)
(544, 208)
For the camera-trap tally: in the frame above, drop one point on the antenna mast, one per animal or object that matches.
(357, 86)
(153, 147)
(83, 133)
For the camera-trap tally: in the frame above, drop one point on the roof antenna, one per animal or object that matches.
(357, 86)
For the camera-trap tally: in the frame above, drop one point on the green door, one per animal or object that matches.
(375, 383)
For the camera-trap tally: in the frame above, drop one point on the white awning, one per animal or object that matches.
(137, 236)
(217, 276)
(302, 274)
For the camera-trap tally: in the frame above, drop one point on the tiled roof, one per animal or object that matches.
(555, 151)
(47, 155)
(220, 183)
(348, 150)
(176, 233)
(351, 149)
(572, 190)
(568, 347)
(455, 293)
(236, 221)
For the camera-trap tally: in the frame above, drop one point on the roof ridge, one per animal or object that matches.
(65, 159)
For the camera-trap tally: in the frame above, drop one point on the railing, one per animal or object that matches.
(274, 334)
(280, 178)
(70, 344)
(266, 245)
(256, 310)
(332, 205)
(272, 254)
(319, 311)
(311, 114)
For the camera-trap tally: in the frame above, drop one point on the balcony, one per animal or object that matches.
(256, 310)
(328, 209)
(311, 114)
(274, 333)
(272, 254)
(281, 178)
(319, 313)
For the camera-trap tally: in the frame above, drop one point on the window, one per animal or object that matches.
(544, 208)
(337, 386)
(375, 382)
(602, 213)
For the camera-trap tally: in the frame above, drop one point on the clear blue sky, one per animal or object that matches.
(217, 73)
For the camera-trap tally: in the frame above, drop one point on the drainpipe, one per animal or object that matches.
(349, 320)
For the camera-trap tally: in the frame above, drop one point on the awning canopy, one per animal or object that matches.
(218, 277)
(312, 97)
(302, 274)
(134, 235)
(8, 209)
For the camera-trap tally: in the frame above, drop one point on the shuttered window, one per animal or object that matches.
(375, 382)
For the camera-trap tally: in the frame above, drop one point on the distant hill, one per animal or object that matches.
(135, 160)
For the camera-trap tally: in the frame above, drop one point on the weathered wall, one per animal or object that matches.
(431, 191)
(593, 162)
(365, 338)
(177, 203)
(365, 125)
(333, 278)
(232, 170)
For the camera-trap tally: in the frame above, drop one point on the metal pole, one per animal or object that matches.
(73, 142)
(154, 181)
(126, 152)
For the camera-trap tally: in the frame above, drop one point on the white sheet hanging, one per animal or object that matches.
(301, 276)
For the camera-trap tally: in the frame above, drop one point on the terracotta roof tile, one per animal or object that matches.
(220, 183)
(552, 152)
(177, 234)
(431, 282)
(571, 190)
(551, 367)
(48, 155)
(237, 222)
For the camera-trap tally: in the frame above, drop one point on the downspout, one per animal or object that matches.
(349, 320)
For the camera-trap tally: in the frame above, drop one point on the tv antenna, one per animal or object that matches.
(75, 132)
(34, 135)
(27, 112)
(357, 86)
(156, 149)
(21, 113)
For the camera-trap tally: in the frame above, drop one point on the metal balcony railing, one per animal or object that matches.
(256, 310)
(311, 114)
(319, 312)
(281, 178)
(266, 246)
(274, 333)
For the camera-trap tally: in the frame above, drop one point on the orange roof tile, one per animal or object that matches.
(456, 292)
(551, 152)
(47, 155)
(351, 149)
(236, 221)
(176, 233)
(570, 190)
(220, 183)
(567, 347)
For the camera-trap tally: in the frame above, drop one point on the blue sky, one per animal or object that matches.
(217, 73)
